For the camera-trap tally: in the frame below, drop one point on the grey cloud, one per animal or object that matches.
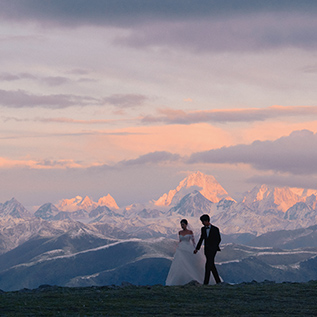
(13, 77)
(125, 100)
(124, 12)
(170, 116)
(205, 25)
(66, 120)
(79, 71)
(55, 80)
(296, 154)
(240, 33)
(20, 99)
(152, 158)
(50, 80)
(8, 77)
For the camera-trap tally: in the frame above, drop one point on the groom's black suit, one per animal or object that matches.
(212, 242)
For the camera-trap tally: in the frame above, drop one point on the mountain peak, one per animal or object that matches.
(46, 211)
(14, 209)
(267, 197)
(87, 203)
(74, 204)
(193, 204)
(207, 185)
(77, 203)
(108, 201)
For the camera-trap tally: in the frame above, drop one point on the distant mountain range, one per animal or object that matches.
(80, 242)
(263, 209)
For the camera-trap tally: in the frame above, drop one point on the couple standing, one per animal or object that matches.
(188, 264)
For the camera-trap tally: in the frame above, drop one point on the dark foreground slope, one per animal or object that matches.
(248, 299)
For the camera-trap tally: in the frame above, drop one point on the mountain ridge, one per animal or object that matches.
(261, 210)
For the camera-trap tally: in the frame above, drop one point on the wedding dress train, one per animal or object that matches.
(186, 265)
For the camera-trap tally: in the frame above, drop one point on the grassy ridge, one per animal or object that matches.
(251, 299)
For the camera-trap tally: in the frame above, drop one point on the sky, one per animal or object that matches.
(128, 97)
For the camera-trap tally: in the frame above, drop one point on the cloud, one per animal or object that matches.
(8, 77)
(68, 120)
(21, 99)
(49, 80)
(123, 12)
(125, 100)
(14, 77)
(255, 32)
(75, 121)
(295, 154)
(206, 25)
(171, 116)
(149, 158)
(152, 158)
(178, 116)
(55, 80)
(6, 163)
(80, 134)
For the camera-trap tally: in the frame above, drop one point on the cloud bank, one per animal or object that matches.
(295, 154)
(157, 157)
(241, 25)
(171, 116)
(24, 99)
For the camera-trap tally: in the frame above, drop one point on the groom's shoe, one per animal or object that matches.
(222, 283)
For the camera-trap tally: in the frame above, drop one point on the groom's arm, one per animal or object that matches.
(199, 242)
(218, 238)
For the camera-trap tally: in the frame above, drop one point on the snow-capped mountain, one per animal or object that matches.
(207, 185)
(262, 209)
(47, 211)
(86, 203)
(14, 209)
(86, 243)
(77, 203)
(108, 201)
(265, 198)
(302, 213)
(193, 205)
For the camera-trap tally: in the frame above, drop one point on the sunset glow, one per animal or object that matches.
(123, 98)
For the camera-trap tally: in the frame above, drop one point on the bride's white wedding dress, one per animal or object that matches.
(186, 265)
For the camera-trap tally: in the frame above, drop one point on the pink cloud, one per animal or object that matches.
(170, 116)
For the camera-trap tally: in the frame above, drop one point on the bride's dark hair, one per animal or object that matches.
(184, 221)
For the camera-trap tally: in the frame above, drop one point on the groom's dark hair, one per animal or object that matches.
(204, 218)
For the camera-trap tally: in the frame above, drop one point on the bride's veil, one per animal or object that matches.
(189, 227)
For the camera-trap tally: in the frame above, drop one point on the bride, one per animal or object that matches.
(186, 266)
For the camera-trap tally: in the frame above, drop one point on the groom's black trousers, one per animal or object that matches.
(210, 267)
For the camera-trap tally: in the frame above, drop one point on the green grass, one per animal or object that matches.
(252, 299)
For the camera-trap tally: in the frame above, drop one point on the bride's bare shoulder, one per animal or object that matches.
(185, 232)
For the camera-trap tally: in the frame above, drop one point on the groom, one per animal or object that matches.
(212, 238)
